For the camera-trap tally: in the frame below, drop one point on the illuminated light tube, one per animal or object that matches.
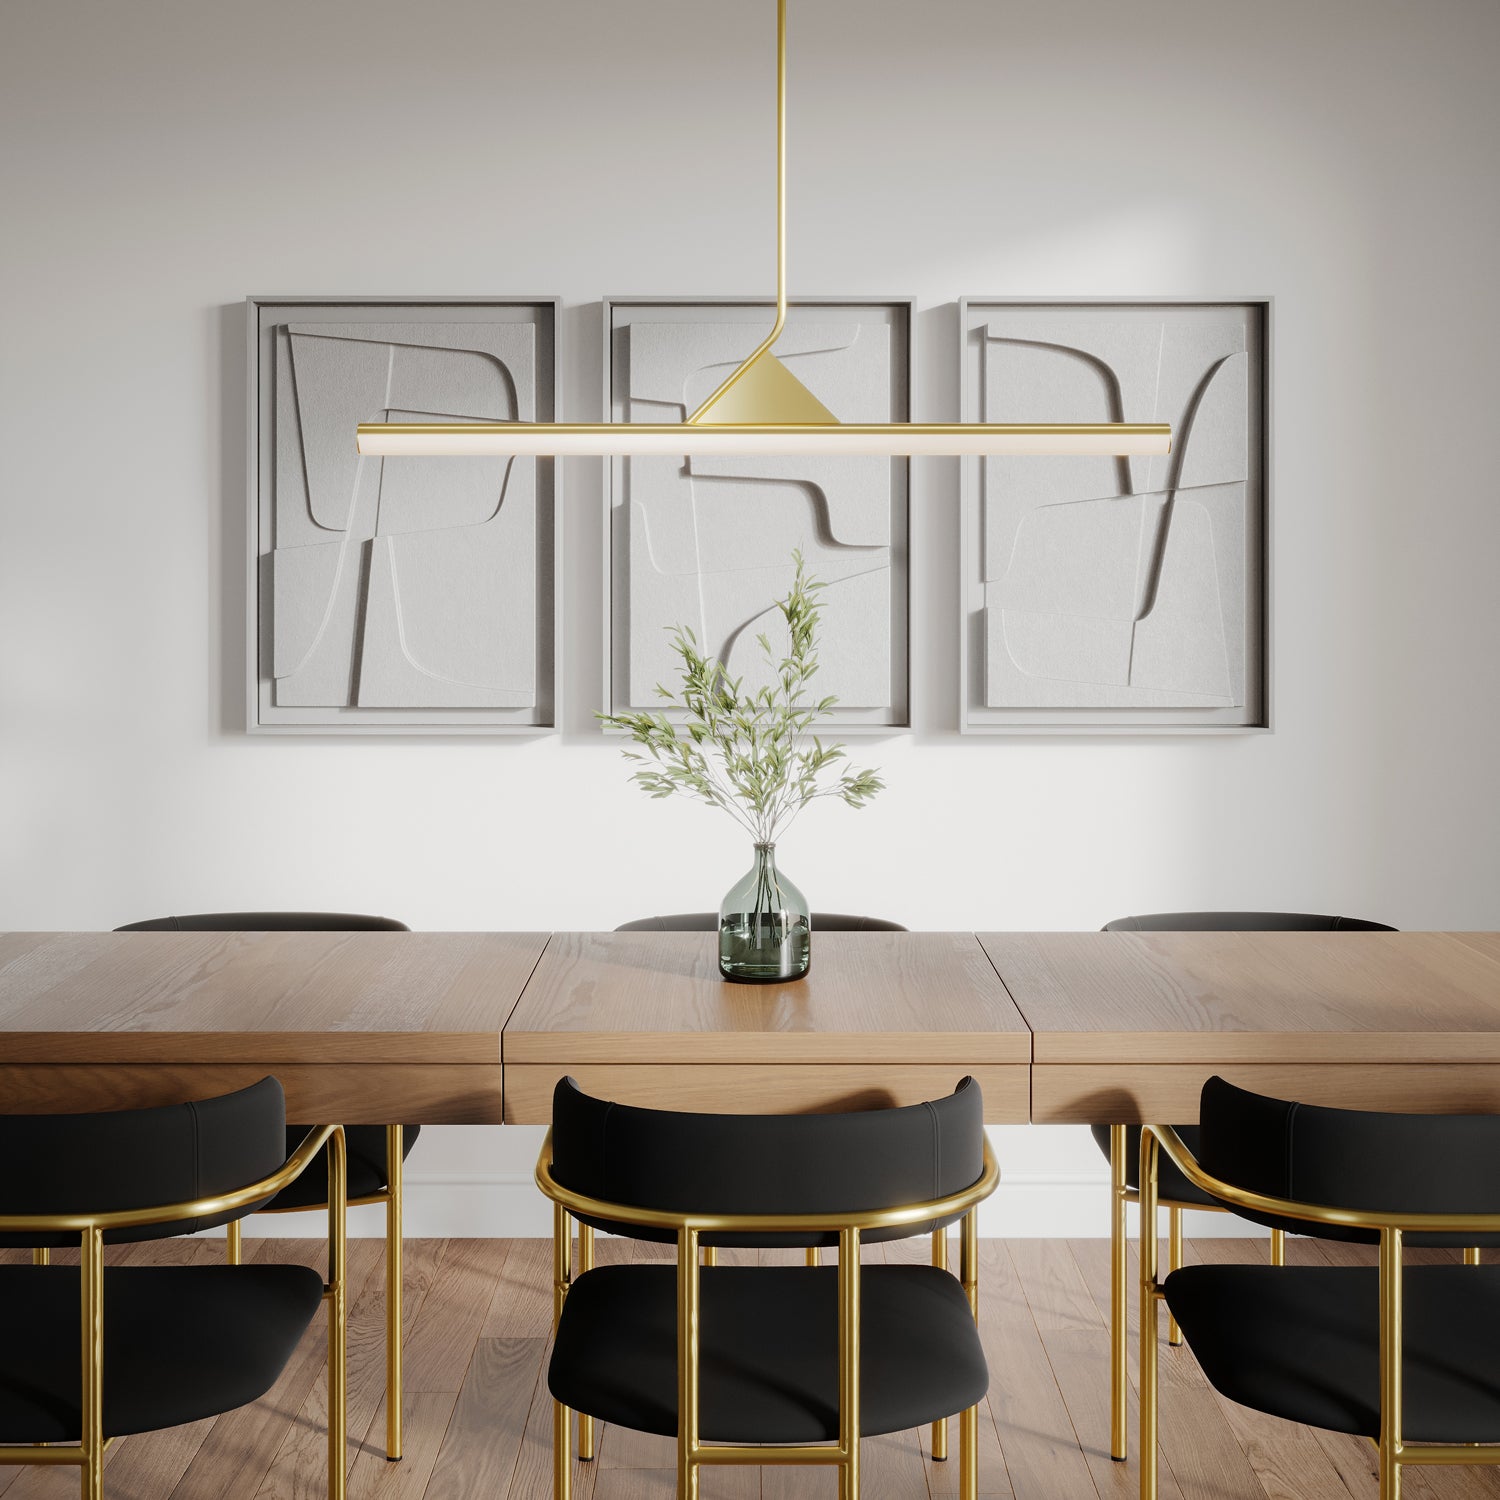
(735, 440)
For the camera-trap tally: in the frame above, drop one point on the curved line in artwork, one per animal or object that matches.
(821, 510)
(1113, 395)
(1179, 454)
(494, 359)
(732, 639)
(416, 666)
(346, 537)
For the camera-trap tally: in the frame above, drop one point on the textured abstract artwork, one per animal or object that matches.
(708, 543)
(400, 594)
(1118, 593)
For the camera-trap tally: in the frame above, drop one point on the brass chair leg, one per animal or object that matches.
(1390, 1364)
(968, 1421)
(338, 1318)
(1148, 1330)
(585, 1264)
(940, 1428)
(91, 1361)
(710, 1253)
(233, 1245)
(687, 1364)
(812, 1255)
(1471, 1256)
(1118, 1291)
(562, 1418)
(1278, 1247)
(849, 1356)
(1174, 1263)
(395, 1153)
(41, 1256)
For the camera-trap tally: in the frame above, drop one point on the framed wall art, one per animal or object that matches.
(399, 595)
(708, 543)
(1126, 595)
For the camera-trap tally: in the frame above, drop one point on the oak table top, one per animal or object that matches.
(376, 1026)
(880, 1018)
(1127, 1025)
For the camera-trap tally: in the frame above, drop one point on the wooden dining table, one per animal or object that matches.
(476, 1028)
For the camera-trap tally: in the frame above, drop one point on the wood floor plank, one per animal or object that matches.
(521, 1306)
(482, 1444)
(242, 1445)
(467, 1277)
(533, 1476)
(1076, 1341)
(1037, 1442)
(425, 1418)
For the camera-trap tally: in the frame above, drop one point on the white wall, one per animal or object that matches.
(163, 159)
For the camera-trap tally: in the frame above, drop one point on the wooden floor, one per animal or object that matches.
(479, 1420)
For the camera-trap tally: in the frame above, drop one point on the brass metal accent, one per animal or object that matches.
(1174, 1263)
(1118, 1291)
(233, 1245)
(585, 1265)
(562, 1259)
(692, 1452)
(1471, 1255)
(760, 399)
(395, 1165)
(812, 1257)
(750, 440)
(1278, 1247)
(88, 1453)
(1392, 1449)
(710, 1255)
(41, 1256)
(940, 1428)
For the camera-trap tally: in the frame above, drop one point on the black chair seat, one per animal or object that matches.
(180, 1343)
(365, 1145)
(1172, 1186)
(769, 1370)
(1302, 1342)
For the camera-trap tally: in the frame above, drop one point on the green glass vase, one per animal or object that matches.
(765, 928)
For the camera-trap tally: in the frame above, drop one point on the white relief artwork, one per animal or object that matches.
(708, 542)
(407, 586)
(1117, 583)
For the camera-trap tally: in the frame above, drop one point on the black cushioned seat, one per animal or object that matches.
(708, 921)
(1302, 1342)
(769, 1370)
(180, 1343)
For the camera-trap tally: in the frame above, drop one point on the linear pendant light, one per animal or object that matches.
(762, 408)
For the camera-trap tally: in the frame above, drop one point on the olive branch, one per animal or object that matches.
(752, 754)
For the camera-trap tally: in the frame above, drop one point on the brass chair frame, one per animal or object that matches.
(1392, 1449)
(1119, 1277)
(692, 1452)
(89, 1452)
(395, 1162)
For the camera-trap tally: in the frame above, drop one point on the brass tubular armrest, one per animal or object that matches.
(196, 1208)
(954, 1205)
(1317, 1213)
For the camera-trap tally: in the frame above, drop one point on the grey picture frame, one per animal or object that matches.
(1255, 715)
(264, 313)
(757, 313)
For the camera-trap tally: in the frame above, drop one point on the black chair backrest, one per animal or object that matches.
(268, 921)
(140, 1158)
(708, 921)
(767, 1164)
(1351, 1158)
(1242, 921)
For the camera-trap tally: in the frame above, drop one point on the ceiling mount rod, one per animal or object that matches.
(775, 333)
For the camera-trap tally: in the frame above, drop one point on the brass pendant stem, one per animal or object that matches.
(780, 322)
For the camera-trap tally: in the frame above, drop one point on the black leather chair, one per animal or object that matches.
(1122, 1144)
(708, 921)
(376, 1152)
(1401, 1356)
(785, 1356)
(161, 1345)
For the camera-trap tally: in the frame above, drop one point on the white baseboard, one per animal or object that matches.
(506, 1206)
